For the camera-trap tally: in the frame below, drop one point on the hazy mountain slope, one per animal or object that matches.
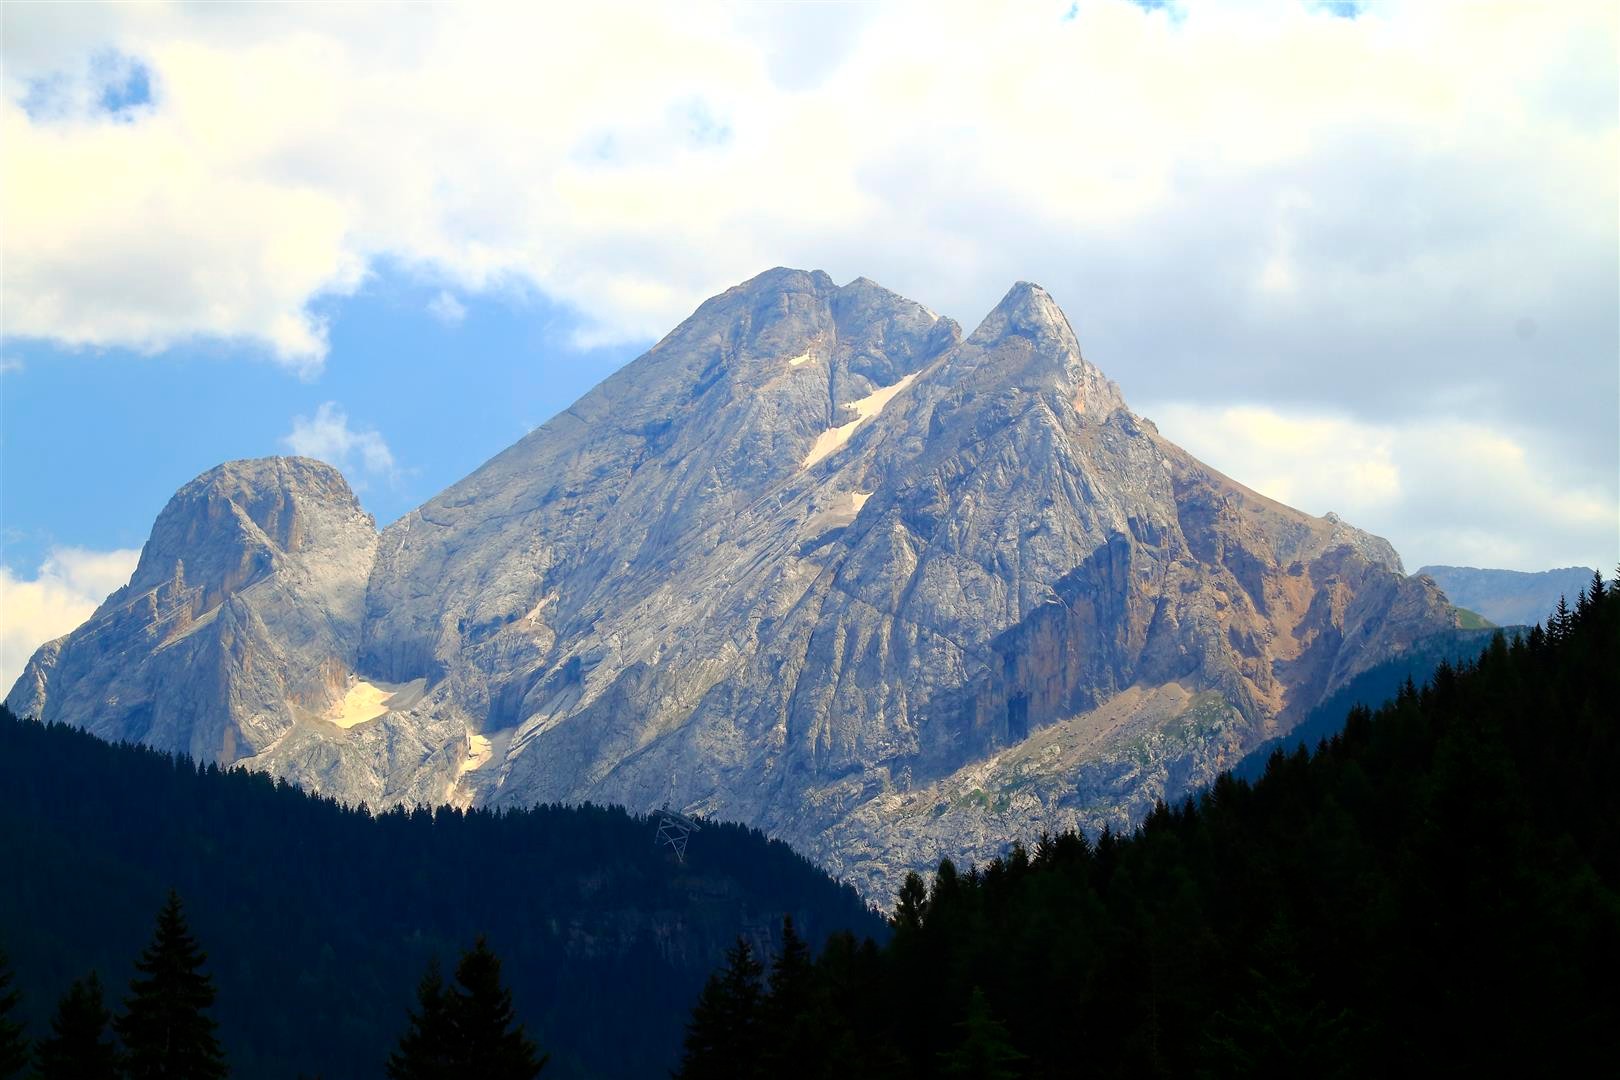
(1509, 597)
(817, 563)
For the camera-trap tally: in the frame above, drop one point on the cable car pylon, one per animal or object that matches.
(674, 829)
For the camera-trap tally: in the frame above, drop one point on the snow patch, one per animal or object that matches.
(866, 408)
(479, 751)
(364, 701)
(840, 511)
(368, 700)
(802, 358)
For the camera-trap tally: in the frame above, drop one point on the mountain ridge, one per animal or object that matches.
(1510, 597)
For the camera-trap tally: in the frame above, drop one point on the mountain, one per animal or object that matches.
(815, 562)
(318, 920)
(1509, 597)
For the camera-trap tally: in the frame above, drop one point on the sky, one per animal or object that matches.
(1361, 257)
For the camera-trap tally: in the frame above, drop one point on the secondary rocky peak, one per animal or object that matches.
(242, 617)
(1028, 310)
(232, 523)
(1026, 343)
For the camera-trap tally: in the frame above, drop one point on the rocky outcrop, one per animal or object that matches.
(242, 617)
(818, 563)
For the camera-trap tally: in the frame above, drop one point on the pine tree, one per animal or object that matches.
(986, 1051)
(466, 1030)
(80, 1046)
(1558, 626)
(787, 1042)
(911, 906)
(13, 1047)
(721, 1038)
(164, 1029)
(426, 1050)
(489, 1038)
(1591, 604)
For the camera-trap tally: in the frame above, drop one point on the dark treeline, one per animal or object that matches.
(1432, 891)
(318, 921)
(165, 1031)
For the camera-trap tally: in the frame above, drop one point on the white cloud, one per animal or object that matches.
(66, 589)
(1262, 203)
(1452, 492)
(447, 309)
(327, 436)
(10, 365)
(281, 155)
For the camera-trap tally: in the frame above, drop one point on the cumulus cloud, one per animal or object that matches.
(64, 591)
(1257, 203)
(447, 309)
(1443, 492)
(328, 436)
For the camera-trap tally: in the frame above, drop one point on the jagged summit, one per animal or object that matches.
(814, 561)
(1029, 310)
(251, 512)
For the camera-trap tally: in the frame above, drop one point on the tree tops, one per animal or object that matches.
(468, 1029)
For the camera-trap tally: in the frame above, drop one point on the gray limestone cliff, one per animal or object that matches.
(819, 563)
(243, 616)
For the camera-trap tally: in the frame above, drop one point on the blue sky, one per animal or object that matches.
(1362, 257)
(126, 429)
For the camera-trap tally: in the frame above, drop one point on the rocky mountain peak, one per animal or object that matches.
(246, 601)
(1027, 344)
(814, 562)
(1027, 310)
(232, 524)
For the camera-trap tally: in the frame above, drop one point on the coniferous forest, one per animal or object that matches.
(1432, 891)
(314, 925)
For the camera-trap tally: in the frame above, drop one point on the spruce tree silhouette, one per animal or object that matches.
(787, 1031)
(469, 1030)
(426, 1050)
(490, 1039)
(721, 1039)
(13, 1047)
(166, 1034)
(80, 1046)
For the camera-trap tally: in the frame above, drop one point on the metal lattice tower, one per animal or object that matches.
(674, 829)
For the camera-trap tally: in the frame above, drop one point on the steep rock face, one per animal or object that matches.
(818, 563)
(243, 615)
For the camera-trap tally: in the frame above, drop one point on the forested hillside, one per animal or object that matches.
(1431, 892)
(319, 920)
